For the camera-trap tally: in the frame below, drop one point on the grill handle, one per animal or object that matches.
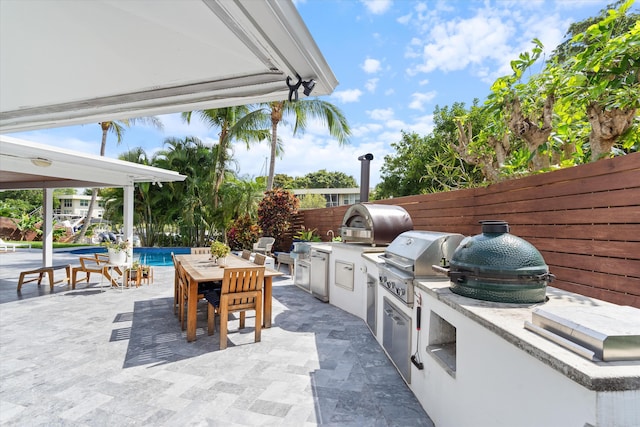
(406, 267)
(454, 276)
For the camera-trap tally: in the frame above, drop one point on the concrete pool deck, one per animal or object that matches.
(90, 358)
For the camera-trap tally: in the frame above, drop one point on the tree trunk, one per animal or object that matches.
(606, 128)
(276, 116)
(490, 168)
(94, 192)
(528, 129)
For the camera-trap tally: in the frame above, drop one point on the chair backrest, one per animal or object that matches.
(201, 250)
(264, 242)
(90, 264)
(259, 259)
(246, 254)
(241, 287)
(102, 257)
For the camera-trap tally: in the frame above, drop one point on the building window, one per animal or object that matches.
(332, 200)
(67, 203)
(350, 199)
(84, 203)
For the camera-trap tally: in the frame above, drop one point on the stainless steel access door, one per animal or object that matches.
(372, 302)
(302, 274)
(320, 275)
(396, 337)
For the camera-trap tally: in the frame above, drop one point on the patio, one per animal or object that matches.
(87, 357)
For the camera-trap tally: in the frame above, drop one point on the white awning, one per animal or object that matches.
(68, 62)
(27, 165)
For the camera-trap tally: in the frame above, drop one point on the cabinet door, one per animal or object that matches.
(344, 274)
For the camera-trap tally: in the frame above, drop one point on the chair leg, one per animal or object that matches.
(242, 316)
(181, 308)
(258, 336)
(224, 318)
(211, 319)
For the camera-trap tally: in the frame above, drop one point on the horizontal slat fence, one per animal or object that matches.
(585, 221)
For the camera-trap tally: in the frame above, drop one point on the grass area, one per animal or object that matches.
(56, 245)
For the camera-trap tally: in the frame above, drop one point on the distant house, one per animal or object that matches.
(76, 206)
(333, 196)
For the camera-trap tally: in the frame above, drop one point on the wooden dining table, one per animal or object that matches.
(200, 268)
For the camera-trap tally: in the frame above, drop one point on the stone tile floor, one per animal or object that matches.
(116, 358)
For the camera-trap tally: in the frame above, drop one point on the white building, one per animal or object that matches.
(333, 196)
(76, 206)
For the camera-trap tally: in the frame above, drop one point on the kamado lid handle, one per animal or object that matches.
(494, 226)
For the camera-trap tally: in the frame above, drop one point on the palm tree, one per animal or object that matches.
(118, 129)
(241, 122)
(190, 157)
(314, 108)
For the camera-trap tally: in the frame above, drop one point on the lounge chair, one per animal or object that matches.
(90, 265)
(264, 245)
(5, 246)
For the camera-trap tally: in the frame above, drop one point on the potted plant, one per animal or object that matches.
(219, 251)
(118, 251)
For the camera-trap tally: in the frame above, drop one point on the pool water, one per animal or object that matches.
(159, 257)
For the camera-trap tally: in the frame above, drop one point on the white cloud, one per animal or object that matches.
(366, 129)
(459, 43)
(419, 99)
(371, 85)
(377, 7)
(371, 66)
(404, 19)
(349, 95)
(381, 114)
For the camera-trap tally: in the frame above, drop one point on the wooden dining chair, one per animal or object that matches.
(201, 250)
(246, 254)
(259, 259)
(183, 294)
(176, 285)
(241, 291)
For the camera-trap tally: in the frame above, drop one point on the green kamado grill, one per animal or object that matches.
(498, 266)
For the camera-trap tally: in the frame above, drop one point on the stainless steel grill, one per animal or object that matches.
(411, 255)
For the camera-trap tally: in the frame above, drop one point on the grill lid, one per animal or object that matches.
(374, 223)
(498, 266)
(415, 251)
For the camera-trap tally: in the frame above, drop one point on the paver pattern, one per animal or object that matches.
(117, 358)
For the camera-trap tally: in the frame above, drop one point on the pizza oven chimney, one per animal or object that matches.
(364, 176)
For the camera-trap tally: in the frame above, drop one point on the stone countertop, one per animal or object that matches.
(509, 324)
(373, 257)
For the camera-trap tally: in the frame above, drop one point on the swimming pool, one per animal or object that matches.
(159, 257)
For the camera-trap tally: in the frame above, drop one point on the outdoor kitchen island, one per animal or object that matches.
(478, 356)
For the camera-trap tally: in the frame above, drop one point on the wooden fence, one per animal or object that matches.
(585, 221)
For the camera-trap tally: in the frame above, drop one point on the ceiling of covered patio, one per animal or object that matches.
(67, 62)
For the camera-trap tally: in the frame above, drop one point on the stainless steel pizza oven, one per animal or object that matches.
(374, 224)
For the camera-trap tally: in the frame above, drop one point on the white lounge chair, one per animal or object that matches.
(5, 246)
(264, 245)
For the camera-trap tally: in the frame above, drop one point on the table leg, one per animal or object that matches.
(266, 312)
(192, 311)
(51, 282)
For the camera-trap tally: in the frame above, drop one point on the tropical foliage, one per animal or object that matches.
(582, 106)
(275, 213)
(117, 128)
(302, 110)
(243, 233)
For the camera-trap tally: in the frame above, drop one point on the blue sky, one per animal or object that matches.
(395, 60)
